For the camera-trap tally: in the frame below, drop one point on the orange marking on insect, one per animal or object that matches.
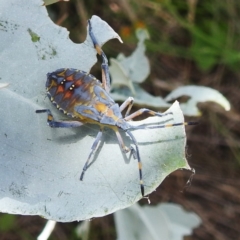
(88, 111)
(89, 89)
(78, 83)
(69, 78)
(99, 50)
(151, 113)
(86, 87)
(72, 103)
(100, 107)
(103, 95)
(140, 165)
(50, 117)
(111, 114)
(52, 84)
(60, 89)
(67, 95)
(62, 74)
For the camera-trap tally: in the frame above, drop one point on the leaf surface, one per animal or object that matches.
(39, 166)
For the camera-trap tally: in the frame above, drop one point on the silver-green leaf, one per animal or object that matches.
(39, 166)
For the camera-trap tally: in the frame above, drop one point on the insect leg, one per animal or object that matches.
(105, 69)
(128, 102)
(145, 110)
(93, 148)
(137, 155)
(59, 124)
(121, 143)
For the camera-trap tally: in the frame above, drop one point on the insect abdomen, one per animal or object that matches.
(68, 87)
(82, 96)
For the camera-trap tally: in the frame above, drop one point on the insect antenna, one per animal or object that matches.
(137, 155)
(144, 126)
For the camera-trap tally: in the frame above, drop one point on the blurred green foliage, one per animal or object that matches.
(7, 222)
(206, 32)
(211, 28)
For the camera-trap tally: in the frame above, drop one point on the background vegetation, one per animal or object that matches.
(192, 42)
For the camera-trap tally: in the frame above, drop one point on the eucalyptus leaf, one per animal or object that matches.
(141, 98)
(137, 64)
(128, 72)
(132, 69)
(39, 166)
(166, 221)
(197, 95)
(120, 78)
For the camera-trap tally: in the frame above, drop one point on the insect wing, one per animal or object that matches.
(69, 87)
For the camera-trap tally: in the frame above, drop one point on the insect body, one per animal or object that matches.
(87, 100)
(82, 96)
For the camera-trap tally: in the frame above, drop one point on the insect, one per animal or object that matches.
(85, 99)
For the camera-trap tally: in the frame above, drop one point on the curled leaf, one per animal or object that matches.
(141, 98)
(197, 94)
(133, 69)
(119, 76)
(166, 221)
